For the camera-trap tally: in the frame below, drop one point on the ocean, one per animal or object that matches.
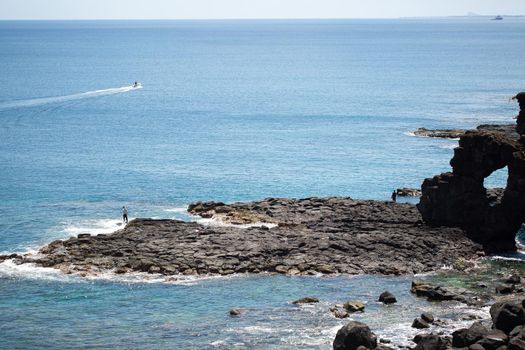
(233, 110)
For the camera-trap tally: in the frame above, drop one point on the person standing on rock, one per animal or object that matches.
(125, 214)
(394, 196)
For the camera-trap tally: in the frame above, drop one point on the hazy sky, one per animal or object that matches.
(186, 9)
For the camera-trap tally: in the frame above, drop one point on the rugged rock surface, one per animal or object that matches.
(353, 335)
(459, 199)
(439, 293)
(507, 331)
(408, 192)
(520, 119)
(326, 235)
(306, 300)
(441, 133)
(432, 342)
(387, 298)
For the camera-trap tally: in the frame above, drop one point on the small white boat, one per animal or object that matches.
(497, 18)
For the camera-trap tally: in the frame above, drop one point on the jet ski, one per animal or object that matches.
(136, 85)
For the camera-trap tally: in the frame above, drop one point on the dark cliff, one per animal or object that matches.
(459, 198)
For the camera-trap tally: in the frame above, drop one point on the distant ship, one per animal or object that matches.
(497, 18)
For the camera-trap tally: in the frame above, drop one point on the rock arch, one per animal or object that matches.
(459, 199)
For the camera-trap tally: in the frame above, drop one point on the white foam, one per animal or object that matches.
(66, 98)
(176, 210)
(449, 146)
(93, 227)
(8, 269)
(409, 133)
(497, 257)
(219, 223)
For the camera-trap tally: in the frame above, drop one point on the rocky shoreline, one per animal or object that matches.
(455, 224)
(503, 330)
(305, 236)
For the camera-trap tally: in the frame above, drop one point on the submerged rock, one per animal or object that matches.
(354, 306)
(339, 312)
(306, 300)
(236, 312)
(419, 323)
(387, 298)
(354, 335)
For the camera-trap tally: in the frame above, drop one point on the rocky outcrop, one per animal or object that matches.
(312, 235)
(408, 192)
(520, 119)
(441, 133)
(459, 198)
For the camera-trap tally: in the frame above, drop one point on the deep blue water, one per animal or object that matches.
(230, 111)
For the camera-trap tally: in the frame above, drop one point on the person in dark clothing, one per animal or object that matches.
(125, 214)
(394, 195)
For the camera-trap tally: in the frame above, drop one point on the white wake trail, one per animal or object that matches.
(58, 99)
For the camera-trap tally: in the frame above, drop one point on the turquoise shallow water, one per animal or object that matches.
(230, 110)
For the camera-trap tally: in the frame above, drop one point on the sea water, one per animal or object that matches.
(229, 111)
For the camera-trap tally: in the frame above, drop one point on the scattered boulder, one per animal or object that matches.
(306, 300)
(419, 323)
(341, 314)
(467, 336)
(505, 288)
(354, 335)
(514, 279)
(387, 298)
(236, 312)
(507, 315)
(476, 347)
(427, 317)
(420, 288)
(493, 340)
(432, 342)
(354, 306)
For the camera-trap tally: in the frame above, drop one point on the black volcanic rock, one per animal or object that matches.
(305, 236)
(354, 335)
(520, 128)
(507, 315)
(387, 298)
(440, 133)
(459, 198)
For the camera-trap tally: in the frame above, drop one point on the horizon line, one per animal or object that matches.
(251, 18)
